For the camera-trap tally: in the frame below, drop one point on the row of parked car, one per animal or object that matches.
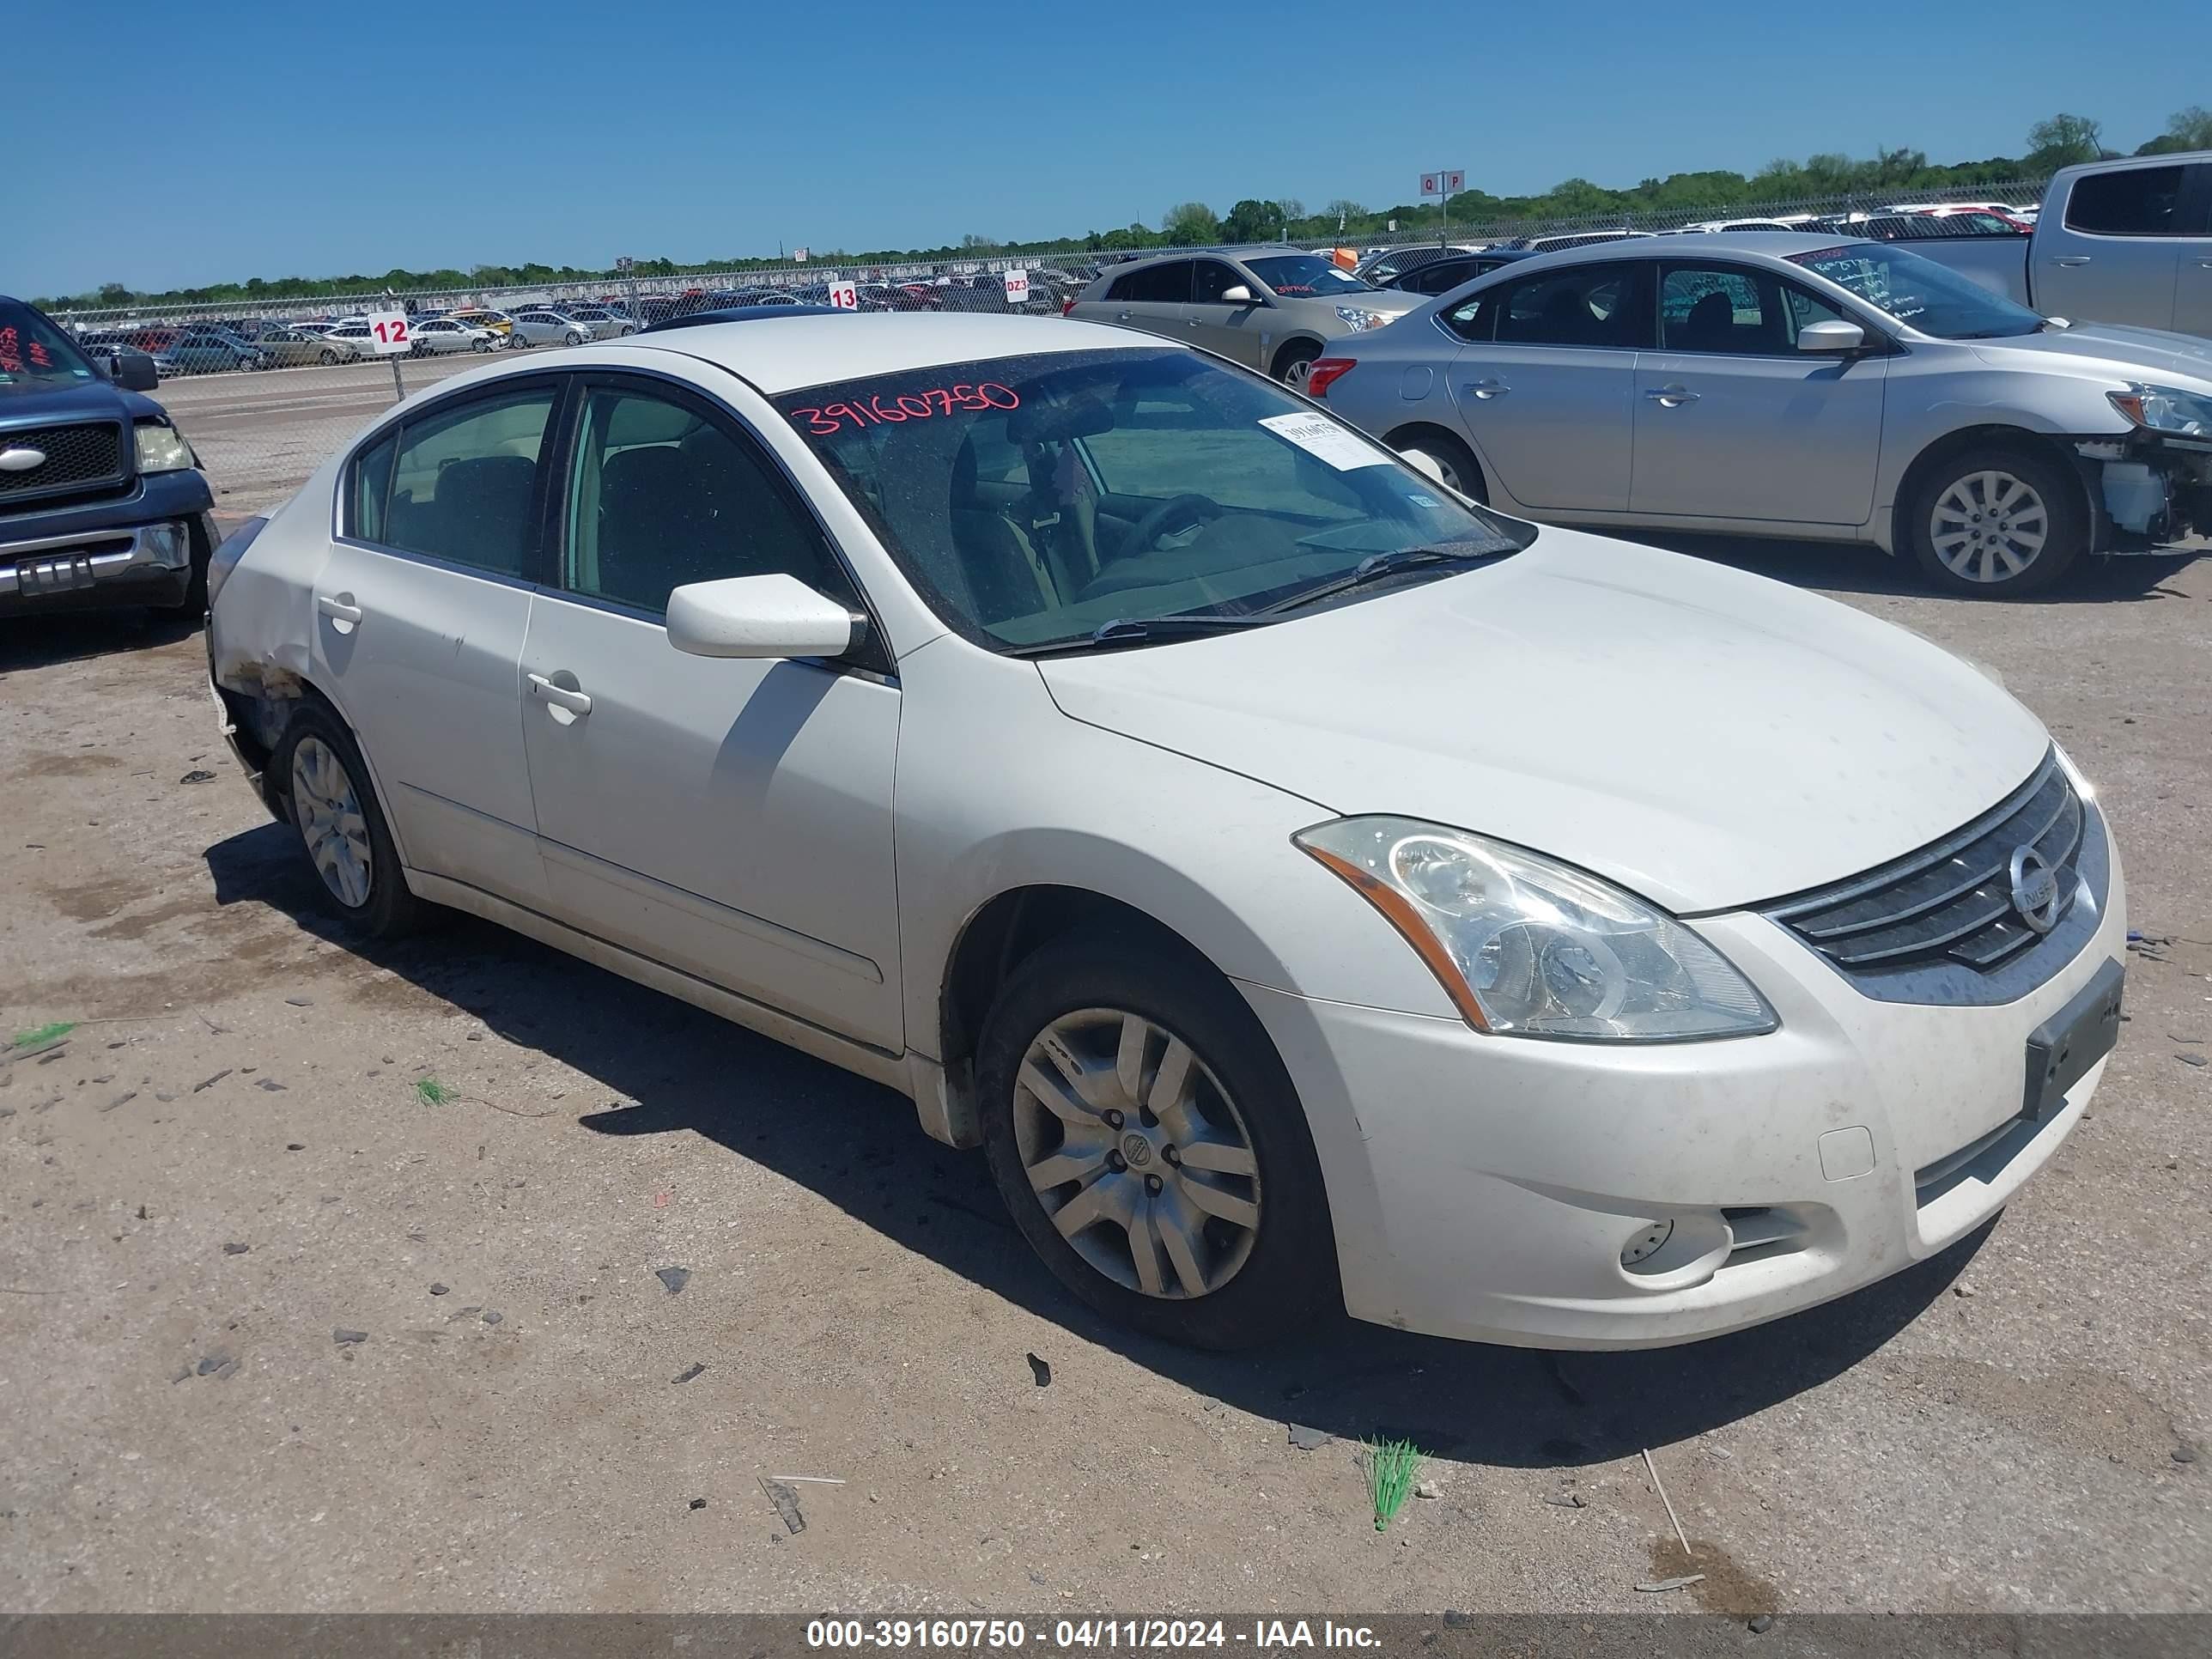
(1992, 404)
(229, 344)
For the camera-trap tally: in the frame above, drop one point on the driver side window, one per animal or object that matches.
(660, 494)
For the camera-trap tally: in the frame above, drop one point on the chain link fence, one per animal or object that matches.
(267, 391)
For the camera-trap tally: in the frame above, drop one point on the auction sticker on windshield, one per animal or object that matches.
(1325, 441)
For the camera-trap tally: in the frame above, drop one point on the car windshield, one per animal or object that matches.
(33, 353)
(1919, 293)
(1297, 275)
(1034, 499)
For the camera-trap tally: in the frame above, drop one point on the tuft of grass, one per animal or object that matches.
(41, 1037)
(432, 1092)
(1391, 1467)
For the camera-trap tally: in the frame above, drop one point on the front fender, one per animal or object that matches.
(997, 789)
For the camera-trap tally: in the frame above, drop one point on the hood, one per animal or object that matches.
(1707, 738)
(2131, 354)
(25, 405)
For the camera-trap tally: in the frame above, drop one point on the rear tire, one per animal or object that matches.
(1233, 1237)
(1454, 459)
(1996, 520)
(341, 824)
(1295, 362)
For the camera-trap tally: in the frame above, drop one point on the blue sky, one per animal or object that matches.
(158, 145)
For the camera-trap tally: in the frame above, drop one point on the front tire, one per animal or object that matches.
(342, 826)
(1996, 521)
(1150, 1145)
(328, 358)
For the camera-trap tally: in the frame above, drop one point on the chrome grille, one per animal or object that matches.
(81, 456)
(1951, 901)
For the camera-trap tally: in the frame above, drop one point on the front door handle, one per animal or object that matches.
(573, 703)
(2204, 264)
(1121, 317)
(1488, 389)
(2071, 259)
(1671, 397)
(341, 610)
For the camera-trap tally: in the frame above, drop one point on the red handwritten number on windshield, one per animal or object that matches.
(877, 409)
(11, 353)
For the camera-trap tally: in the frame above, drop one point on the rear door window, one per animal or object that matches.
(1606, 306)
(1162, 285)
(462, 483)
(2128, 202)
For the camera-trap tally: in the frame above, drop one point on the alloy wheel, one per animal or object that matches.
(1136, 1153)
(327, 808)
(1989, 527)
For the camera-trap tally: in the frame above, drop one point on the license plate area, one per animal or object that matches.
(2061, 1050)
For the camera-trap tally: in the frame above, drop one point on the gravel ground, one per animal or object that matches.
(276, 1333)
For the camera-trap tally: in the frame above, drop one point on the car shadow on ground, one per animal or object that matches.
(1849, 568)
(31, 642)
(668, 1069)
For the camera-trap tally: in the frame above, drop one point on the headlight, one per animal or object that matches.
(1528, 947)
(162, 449)
(1360, 319)
(2164, 409)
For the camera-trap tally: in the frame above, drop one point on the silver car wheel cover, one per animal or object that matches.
(1136, 1153)
(1989, 527)
(327, 810)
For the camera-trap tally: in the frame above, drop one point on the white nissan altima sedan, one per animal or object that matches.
(1307, 887)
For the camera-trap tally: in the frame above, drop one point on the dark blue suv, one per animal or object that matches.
(101, 499)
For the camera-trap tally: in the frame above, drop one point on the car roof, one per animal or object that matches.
(782, 354)
(1776, 244)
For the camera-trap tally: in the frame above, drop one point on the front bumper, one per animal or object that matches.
(1488, 1187)
(138, 547)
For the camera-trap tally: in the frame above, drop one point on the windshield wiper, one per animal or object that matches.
(1140, 630)
(1381, 567)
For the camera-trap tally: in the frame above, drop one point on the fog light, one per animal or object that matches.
(166, 542)
(1646, 1242)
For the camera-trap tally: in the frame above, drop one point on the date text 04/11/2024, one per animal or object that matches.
(1264, 1635)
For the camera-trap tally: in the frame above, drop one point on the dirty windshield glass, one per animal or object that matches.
(34, 353)
(1034, 499)
(1919, 293)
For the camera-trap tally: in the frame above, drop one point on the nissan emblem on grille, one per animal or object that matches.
(22, 458)
(2035, 890)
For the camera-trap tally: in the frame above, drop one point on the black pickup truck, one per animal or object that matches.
(102, 502)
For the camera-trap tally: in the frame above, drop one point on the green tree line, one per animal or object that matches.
(2062, 140)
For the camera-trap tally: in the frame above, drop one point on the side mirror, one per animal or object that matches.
(1236, 294)
(134, 371)
(1830, 338)
(777, 616)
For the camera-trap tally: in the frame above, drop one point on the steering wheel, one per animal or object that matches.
(1146, 530)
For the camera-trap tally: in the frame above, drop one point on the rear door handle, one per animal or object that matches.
(576, 702)
(2071, 259)
(340, 609)
(1671, 397)
(1491, 388)
(1121, 317)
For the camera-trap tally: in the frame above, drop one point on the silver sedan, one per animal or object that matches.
(1788, 385)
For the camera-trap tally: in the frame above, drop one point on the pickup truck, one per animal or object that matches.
(2127, 242)
(101, 499)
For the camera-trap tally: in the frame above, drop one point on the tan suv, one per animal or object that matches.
(1270, 308)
